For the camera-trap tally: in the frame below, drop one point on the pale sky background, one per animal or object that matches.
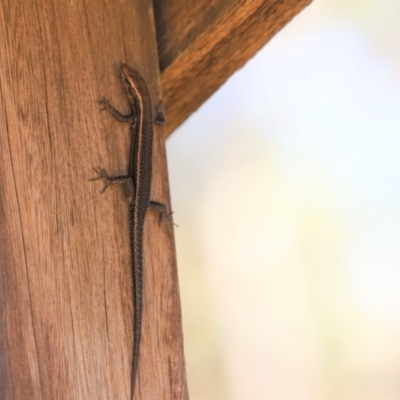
(286, 191)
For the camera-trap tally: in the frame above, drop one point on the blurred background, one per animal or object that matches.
(286, 191)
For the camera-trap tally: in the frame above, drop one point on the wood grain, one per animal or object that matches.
(203, 43)
(65, 275)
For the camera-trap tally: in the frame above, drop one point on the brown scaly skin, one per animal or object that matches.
(137, 185)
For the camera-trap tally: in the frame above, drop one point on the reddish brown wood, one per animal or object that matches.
(65, 274)
(202, 43)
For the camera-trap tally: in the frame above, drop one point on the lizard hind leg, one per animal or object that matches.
(161, 209)
(125, 180)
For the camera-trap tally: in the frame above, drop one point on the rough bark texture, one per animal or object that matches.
(65, 273)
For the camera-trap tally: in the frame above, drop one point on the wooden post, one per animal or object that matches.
(65, 277)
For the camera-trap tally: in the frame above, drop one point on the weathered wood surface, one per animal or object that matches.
(202, 43)
(65, 275)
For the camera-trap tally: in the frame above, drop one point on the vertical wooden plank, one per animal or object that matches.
(65, 274)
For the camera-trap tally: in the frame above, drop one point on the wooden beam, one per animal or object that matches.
(202, 44)
(65, 275)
